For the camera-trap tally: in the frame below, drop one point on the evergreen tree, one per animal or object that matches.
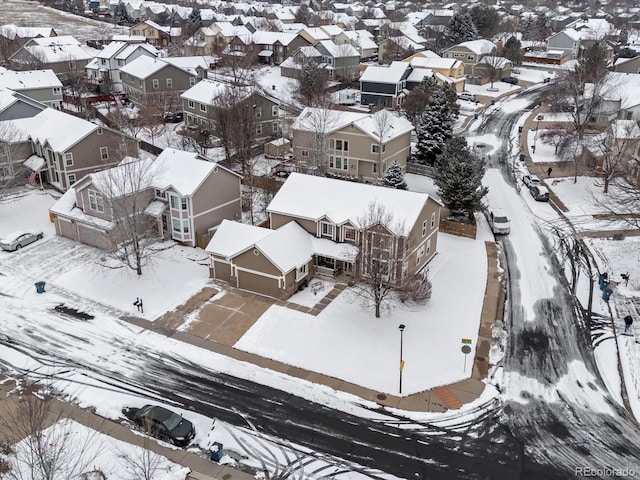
(120, 14)
(393, 177)
(461, 29)
(195, 18)
(512, 50)
(485, 19)
(417, 100)
(592, 66)
(458, 177)
(435, 127)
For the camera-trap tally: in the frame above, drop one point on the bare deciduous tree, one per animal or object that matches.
(383, 121)
(618, 148)
(378, 264)
(319, 122)
(143, 463)
(311, 78)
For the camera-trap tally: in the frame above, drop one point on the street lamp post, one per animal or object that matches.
(401, 327)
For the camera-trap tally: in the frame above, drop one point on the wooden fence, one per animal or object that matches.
(460, 229)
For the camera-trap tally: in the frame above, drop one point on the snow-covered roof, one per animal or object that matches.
(479, 47)
(332, 30)
(288, 247)
(129, 49)
(315, 119)
(144, 66)
(66, 206)
(435, 62)
(625, 129)
(111, 49)
(61, 130)
(57, 49)
(391, 73)
(305, 196)
(34, 163)
(260, 37)
(190, 64)
(228, 29)
(618, 86)
(207, 90)
(419, 74)
(339, 51)
(11, 31)
(317, 33)
(29, 79)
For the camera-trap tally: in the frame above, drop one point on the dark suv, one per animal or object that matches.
(511, 80)
(162, 424)
(173, 117)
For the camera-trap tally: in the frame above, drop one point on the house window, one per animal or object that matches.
(345, 164)
(424, 228)
(203, 107)
(151, 31)
(57, 90)
(420, 254)
(185, 226)
(169, 82)
(71, 179)
(104, 153)
(174, 202)
(275, 110)
(350, 234)
(276, 127)
(155, 83)
(68, 159)
(192, 104)
(305, 153)
(259, 129)
(326, 230)
(99, 131)
(192, 81)
(160, 193)
(428, 246)
(95, 201)
(375, 148)
(433, 219)
(374, 168)
(183, 203)
(301, 272)
(470, 57)
(176, 225)
(258, 113)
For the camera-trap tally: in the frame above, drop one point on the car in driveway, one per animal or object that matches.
(162, 424)
(16, 240)
(173, 117)
(530, 180)
(511, 80)
(498, 221)
(470, 97)
(539, 193)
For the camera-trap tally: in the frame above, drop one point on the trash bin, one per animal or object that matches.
(607, 294)
(603, 281)
(40, 287)
(522, 157)
(519, 128)
(493, 102)
(216, 451)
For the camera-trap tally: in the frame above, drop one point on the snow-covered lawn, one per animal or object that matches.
(346, 341)
(27, 209)
(81, 450)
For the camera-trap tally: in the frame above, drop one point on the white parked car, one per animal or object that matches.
(531, 180)
(470, 97)
(498, 221)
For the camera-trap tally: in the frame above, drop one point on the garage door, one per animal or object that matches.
(259, 284)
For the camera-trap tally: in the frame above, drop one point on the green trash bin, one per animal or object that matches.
(40, 287)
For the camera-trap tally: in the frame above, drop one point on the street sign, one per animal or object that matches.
(466, 341)
(401, 365)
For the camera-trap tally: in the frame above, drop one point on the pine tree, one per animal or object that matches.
(435, 127)
(120, 13)
(461, 29)
(393, 177)
(195, 18)
(513, 50)
(458, 177)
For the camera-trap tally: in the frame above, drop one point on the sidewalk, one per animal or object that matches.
(237, 312)
(202, 468)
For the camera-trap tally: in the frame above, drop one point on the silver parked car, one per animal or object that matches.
(17, 240)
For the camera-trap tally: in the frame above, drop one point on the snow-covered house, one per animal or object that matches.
(62, 148)
(470, 53)
(342, 60)
(62, 54)
(581, 35)
(104, 70)
(20, 35)
(445, 70)
(384, 84)
(269, 47)
(185, 196)
(157, 35)
(361, 40)
(312, 233)
(354, 145)
(41, 85)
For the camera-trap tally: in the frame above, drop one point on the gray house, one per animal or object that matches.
(63, 54)
(342, 60)
(41, 85)
(470, 53)
(384, 85)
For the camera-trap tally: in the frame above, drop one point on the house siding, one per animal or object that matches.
(220, 192)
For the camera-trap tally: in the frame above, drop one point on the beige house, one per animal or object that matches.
(470, 53)
(319, 227)
(183, 196)
(155, 34)
(62, 149)
(352, 145)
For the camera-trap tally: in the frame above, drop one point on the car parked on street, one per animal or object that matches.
(162, 424)
(511, 80)
(539, 193)
(530, 180)
(17, 240)
(498, 221)
(173, 117)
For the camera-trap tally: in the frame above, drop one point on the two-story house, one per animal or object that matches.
(13, 37)
(303, 56)
(155, 34)
(269, 47)
(361, 40)
(158, 82)
(319, 226)
(41, 85)
(202, 102)
(104, 70)
(354, 145)
(470, 53)
(63, 54)
(182, 197)
(444, 70)
(62, 148)
(342, 60)
(384, 84)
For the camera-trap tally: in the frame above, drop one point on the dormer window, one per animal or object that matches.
(326, 230)
(160, 194)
